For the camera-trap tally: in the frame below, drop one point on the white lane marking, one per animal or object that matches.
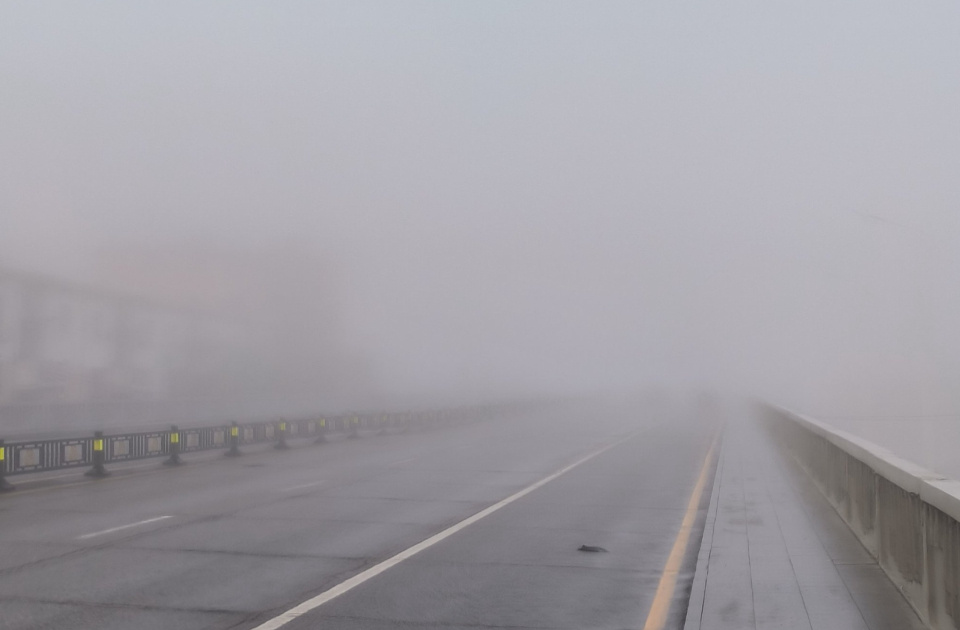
(302, 486)
(404, 461)
(324, 597)
(122, 527)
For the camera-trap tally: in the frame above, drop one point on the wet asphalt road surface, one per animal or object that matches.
(232, 543)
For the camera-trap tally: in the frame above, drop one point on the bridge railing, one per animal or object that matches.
(906, 516)
(100, 450)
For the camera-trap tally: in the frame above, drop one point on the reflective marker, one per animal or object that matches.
(234, 441)
(99, 457)
(4, 485)
(282, 438)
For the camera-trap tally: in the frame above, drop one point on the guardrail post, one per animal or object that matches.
(322, 428)
(281, 444)
(234, 441)
(174, 459)
(354, 427)
(5, 486)
(99, 456)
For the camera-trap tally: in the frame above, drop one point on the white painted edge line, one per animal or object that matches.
(319, 600)
(302, 486)
(404, 461)
(77, 472)
(122, 527)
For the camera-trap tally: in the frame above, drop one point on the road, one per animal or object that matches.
(236, 543)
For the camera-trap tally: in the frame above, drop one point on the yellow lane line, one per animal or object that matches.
(657, 617)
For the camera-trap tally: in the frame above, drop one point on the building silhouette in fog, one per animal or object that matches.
(223, 335)
(89, 351)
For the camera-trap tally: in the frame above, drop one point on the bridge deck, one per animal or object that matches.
(233, 543)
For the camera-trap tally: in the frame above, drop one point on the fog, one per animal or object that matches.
(386, 204)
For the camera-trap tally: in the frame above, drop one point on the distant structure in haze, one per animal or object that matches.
(182, 334)
(76, 347)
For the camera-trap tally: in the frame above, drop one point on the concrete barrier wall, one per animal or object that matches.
(908, 517)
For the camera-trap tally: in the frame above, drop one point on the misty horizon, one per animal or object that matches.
(487, 200)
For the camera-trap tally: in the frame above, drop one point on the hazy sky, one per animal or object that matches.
(565, 195)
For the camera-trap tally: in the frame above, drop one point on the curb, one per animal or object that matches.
(699, 587)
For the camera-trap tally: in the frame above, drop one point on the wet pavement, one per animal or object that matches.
(225, 543)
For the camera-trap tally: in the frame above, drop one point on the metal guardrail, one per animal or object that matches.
(99, 450)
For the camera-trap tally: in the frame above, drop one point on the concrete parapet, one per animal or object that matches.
(906, 516)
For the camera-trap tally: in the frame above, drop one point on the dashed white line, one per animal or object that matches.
(324, 597)
(122, 527)
(301, 486)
